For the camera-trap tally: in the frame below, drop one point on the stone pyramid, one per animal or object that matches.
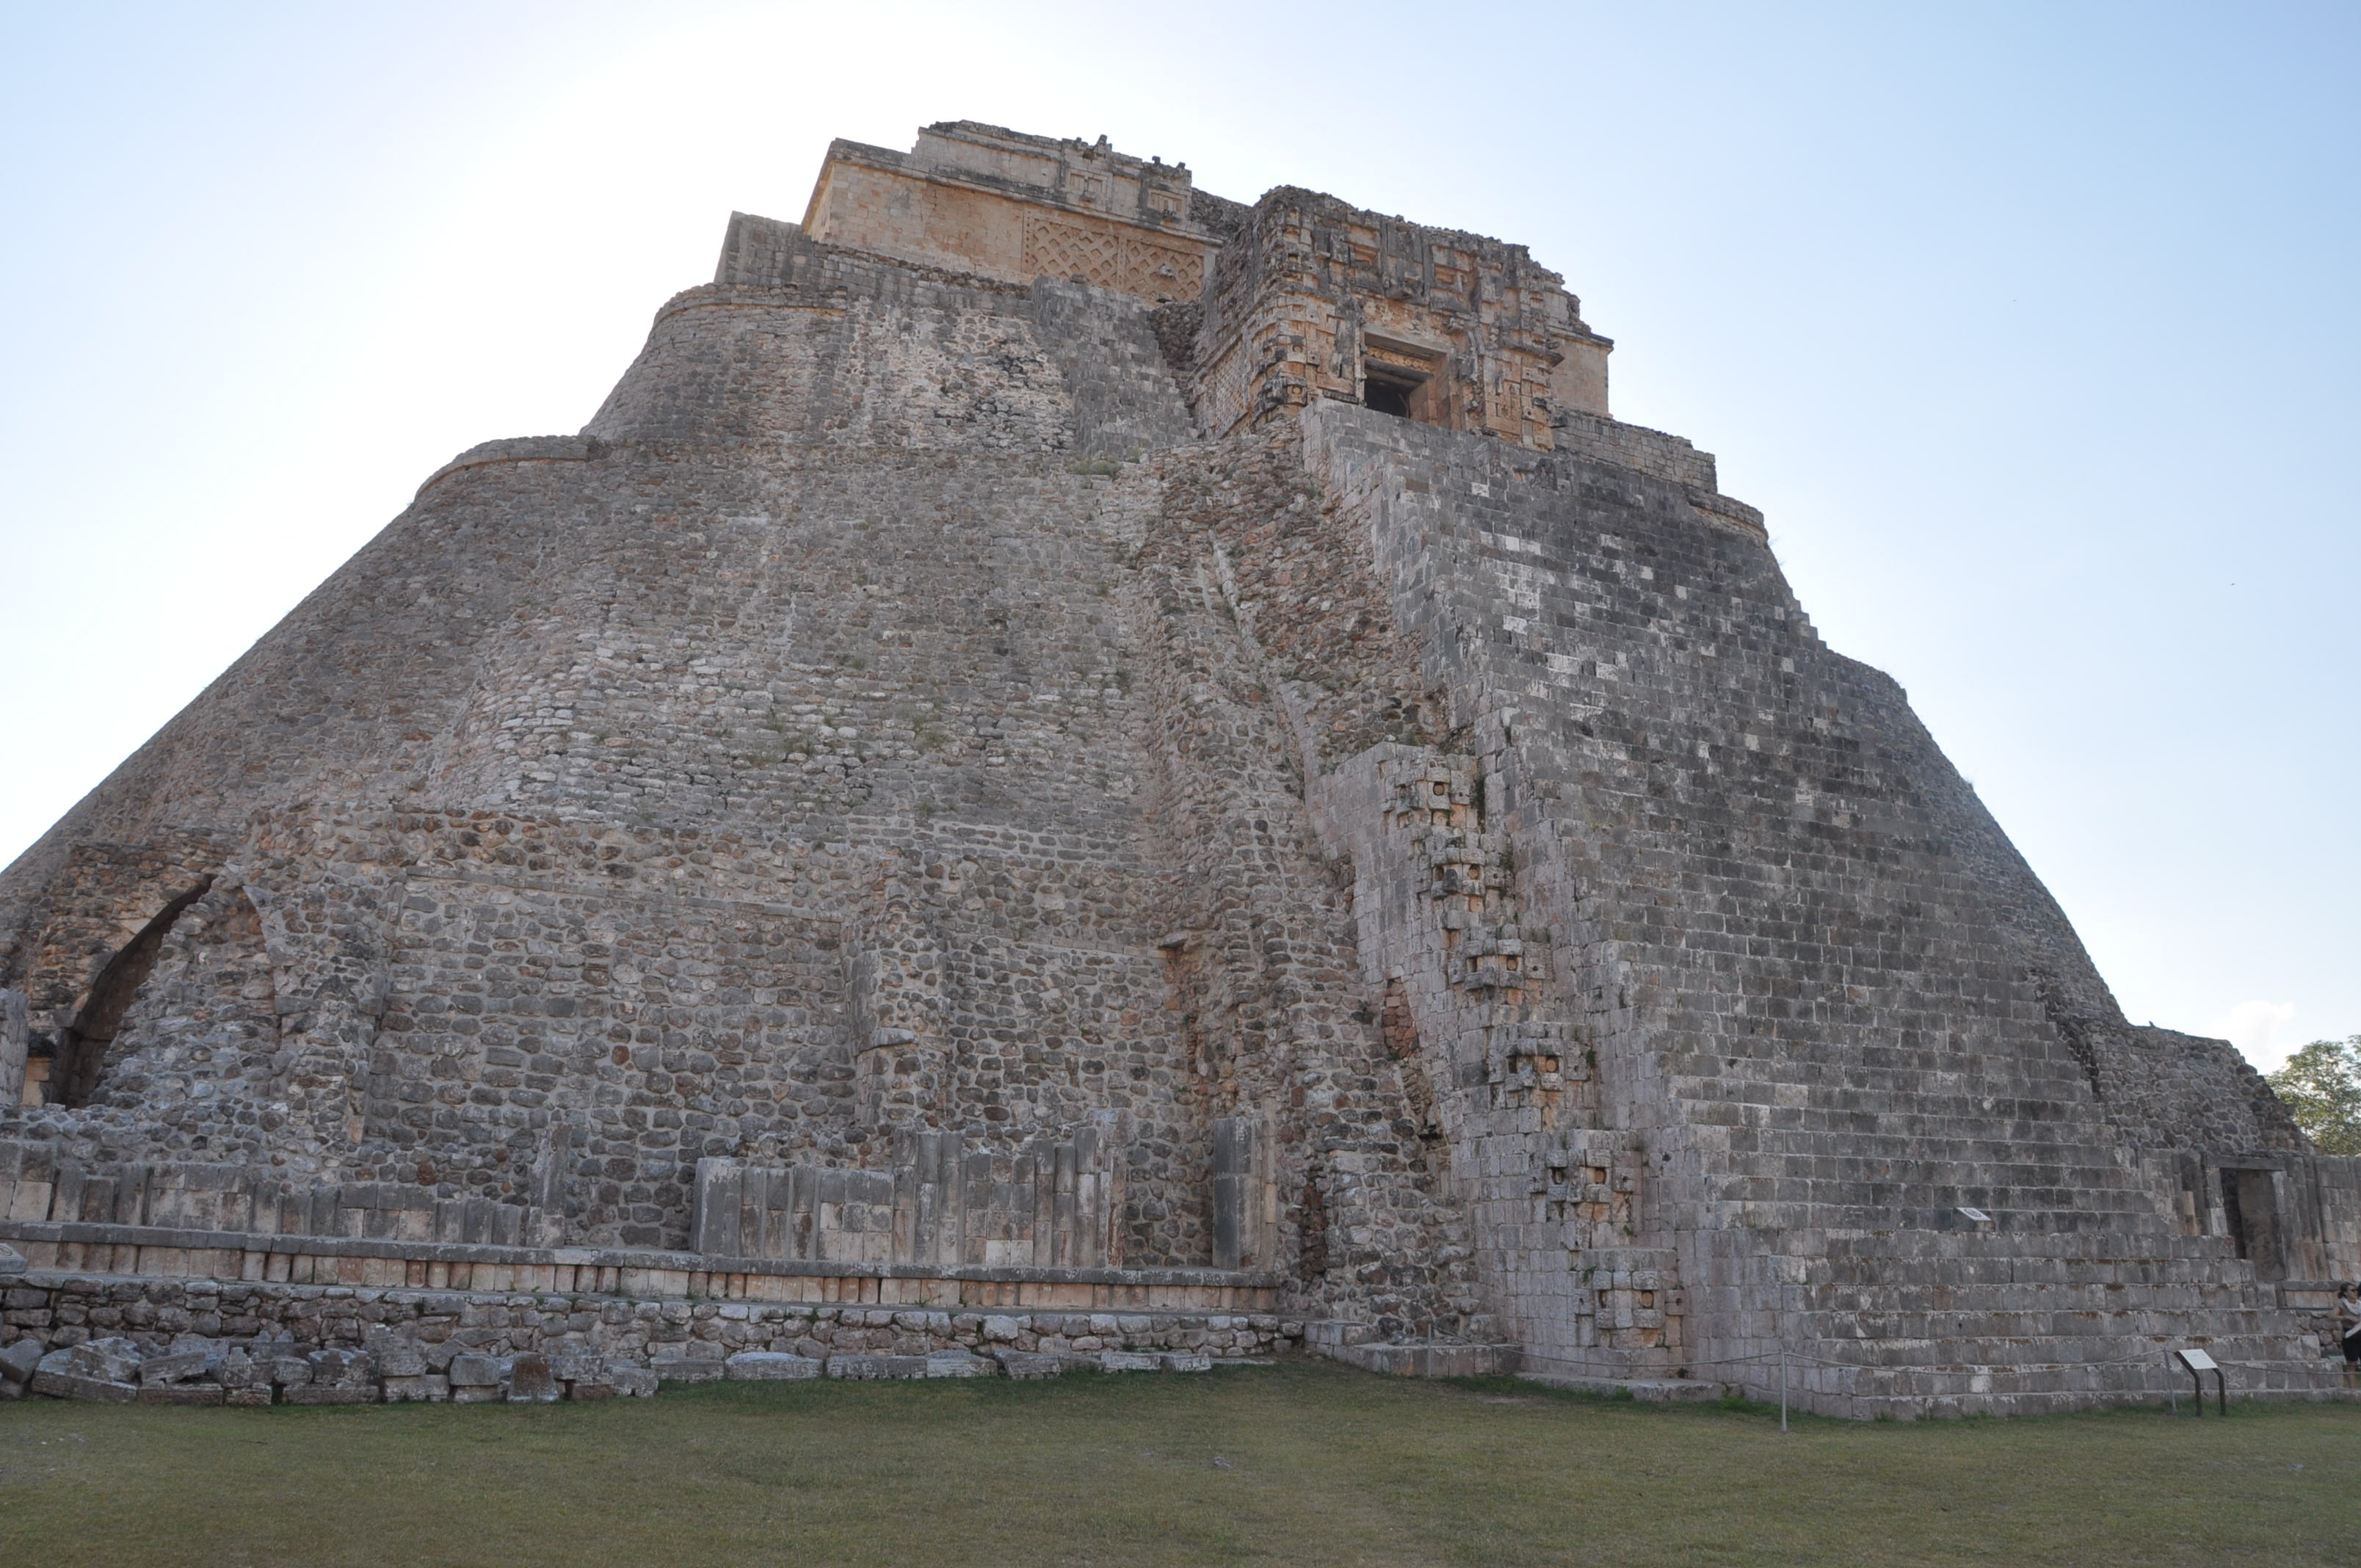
(1063, 744)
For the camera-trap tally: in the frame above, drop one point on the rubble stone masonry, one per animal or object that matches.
(1062, 748)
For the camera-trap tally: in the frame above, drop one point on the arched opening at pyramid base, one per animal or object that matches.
(82, 1050)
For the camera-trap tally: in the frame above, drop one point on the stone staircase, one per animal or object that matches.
(1899, 1322)
(1948, 1252)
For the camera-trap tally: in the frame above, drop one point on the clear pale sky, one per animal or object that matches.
(2032, 327)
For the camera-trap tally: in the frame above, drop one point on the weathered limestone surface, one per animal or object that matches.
(1798, 999)
(1003, 205)
(126, 1341)
(1314, 300)
(983, 785)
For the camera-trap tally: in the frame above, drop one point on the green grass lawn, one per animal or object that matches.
(1283, 1464)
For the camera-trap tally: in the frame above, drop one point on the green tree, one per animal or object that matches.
(2321, 1087)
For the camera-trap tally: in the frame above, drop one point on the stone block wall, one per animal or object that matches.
(1770, 912)
(1057, 1202)
(1650, 452)
(41, 1183)
(1005, 204)
(689, 1340)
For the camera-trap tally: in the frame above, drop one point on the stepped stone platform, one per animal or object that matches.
(1063, 751)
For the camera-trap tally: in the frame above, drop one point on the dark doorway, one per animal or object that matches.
(1399, 377)
(1394, 388)
(2250, 1205)
(1390, 392)
(82, 1050)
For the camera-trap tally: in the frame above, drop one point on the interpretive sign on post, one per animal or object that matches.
(2199, 1364)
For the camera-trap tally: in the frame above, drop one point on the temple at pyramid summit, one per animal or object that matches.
(1071, 772)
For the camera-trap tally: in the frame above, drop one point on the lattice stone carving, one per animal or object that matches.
(1070, 250)
(1110, 258)
(1160, 269)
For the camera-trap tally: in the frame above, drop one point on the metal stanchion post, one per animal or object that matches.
(1783, 1390)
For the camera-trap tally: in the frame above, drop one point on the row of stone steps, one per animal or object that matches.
(1917, 1126)
(1937, 1182)
(1938, 1088)
(1916, 1323)
(1774, 1203)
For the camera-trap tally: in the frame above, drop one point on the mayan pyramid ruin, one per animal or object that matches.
(1073, 768)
